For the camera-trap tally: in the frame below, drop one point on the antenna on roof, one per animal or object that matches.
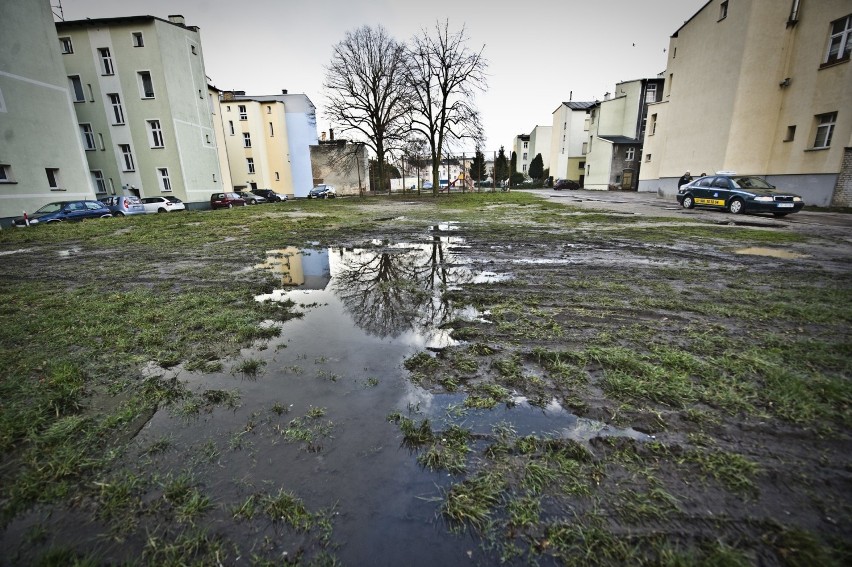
(61, 14)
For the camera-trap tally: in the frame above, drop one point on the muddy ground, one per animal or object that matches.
(571, 378)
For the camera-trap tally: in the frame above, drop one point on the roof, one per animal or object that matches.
(620, 139)
(579, 105)
(88, 22)
(691, 17)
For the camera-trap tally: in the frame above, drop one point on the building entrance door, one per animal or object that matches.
(627, 179)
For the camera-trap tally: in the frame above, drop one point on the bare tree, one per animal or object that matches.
(445, 75)
(366, 90)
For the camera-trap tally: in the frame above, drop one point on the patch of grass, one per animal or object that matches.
(734, 471)
(486, 396)
(309, 430)
(472, 501)
(251, 367)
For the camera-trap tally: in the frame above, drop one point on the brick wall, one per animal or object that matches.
(843, 188)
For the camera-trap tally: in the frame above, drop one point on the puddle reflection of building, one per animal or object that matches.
(308, 269)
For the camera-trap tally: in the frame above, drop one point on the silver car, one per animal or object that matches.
(124, 205)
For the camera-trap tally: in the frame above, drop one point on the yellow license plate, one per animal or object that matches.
(717, 202)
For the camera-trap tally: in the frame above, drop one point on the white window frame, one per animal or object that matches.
(88, 136)
(231, 127)
(76, 86)
(246, 140)
(117, 109)
(137, 39)
(825, 124)
(155, 134)
(243, 111)
(723, 10)
(250, 164)
(651, 93)
(653, 125)
(164, 180)
(6, 173)
(53, 179)
(99, 181)
(101, 145)
(107, 67)
(630, 154)
(66, 45)
(141, 78)
(127, 155)
(842, 39)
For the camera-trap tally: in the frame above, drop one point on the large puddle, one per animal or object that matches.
(365, 311)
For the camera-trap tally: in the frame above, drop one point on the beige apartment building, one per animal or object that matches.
(758, 87)
(267, 141)
(569, 138)
(139, 90)
(41, 150)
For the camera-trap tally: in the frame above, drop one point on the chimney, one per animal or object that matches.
(177, 19)
(606, 96)
(322, 136)
(283, 91)
(331, 134)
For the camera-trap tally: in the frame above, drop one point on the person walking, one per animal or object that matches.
(684, 180)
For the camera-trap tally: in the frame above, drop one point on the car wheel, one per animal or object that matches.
(106, 216)
(688, 202)
(253, 202)
(162, 210)
(737, 207)
(119, 214)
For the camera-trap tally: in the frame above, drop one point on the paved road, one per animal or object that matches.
(649, 204)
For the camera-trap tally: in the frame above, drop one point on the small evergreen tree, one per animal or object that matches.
(501, 166)
(536, 170)
(477, 167)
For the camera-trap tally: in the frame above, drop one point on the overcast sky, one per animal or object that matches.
(539, 51)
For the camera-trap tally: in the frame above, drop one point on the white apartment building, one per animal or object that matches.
(758, 87)
(41, 153)
(139, 91)
(616, 130)
(569, 138)
(540, 142)
(268, 141)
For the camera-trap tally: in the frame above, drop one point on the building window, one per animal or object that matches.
(53, 178)
(6, 173)
(246, 140)
(585, 149)
(127, 155)
(207, 138)
(193, 50)
(231, 126)
(526, 144)
(653, 125)
(117, 110)
(269, 110)
(214, 178)
(647, 157)
(271, 130)
(840, 42)
(101, 142)
(277, 177)
(825, 129)
(723, 10)
(146, 85)
(99, 181)
(671, 83)
(138, 40)
(65, 45)
(651, 93)
(250, 164)
(88, 136)
(630, 154)
(524, 168)
(106, 61)
(581, 165)
(525, 156)
(77, 88)
(243, 112)
(156, 131)
(165, 183)
(791, 134)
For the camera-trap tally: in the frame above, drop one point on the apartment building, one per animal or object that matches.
(139, 91)
(758, 87)
(41, 152)
(521, 147)
(346, 166)
(569, 138)
(268, 140)
(616, 129)
(540, 142)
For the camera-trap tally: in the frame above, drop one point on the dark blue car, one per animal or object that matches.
(738, 194)
(65, 211)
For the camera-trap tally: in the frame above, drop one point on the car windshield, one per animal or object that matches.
(173, 199)
(752, 183)
(51, 208)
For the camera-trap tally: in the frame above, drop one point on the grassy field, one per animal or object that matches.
(735, 368)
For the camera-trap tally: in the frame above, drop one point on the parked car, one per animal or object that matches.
(427, 184)
(65, 211)
(227, 200)
(565, 184)
(322, 191)
(738, 194)
(123, 205)
(162, 204)
(251, 198)
(270, 195)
